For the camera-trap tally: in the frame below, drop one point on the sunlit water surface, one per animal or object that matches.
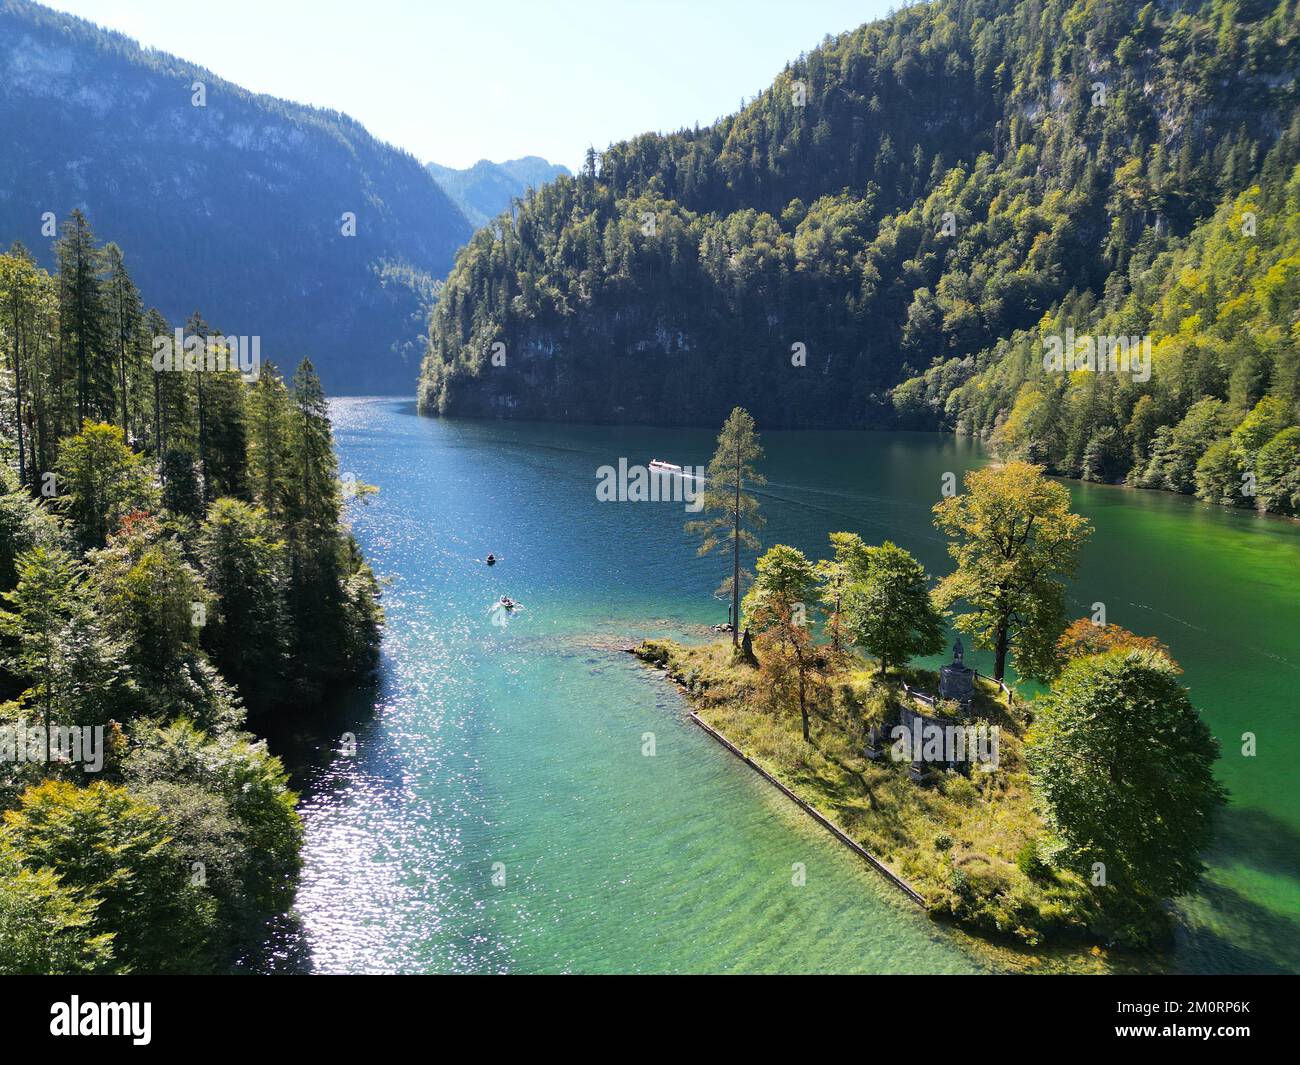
(499, 814)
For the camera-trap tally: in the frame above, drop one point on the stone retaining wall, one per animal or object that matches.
(821, 819)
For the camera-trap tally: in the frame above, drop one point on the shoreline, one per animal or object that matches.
(880, 867)
(1052, 951)
(1191, 497)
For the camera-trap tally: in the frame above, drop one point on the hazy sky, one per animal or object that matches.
(497, 79)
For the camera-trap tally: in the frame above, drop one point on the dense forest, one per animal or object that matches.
(255, 187)
(888, 234)
(173, 559)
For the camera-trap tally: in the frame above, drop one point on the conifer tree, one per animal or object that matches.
(19, 289)
(125, 321)
(268, 429)
(734, 513)
(311, 515)
(83, 317)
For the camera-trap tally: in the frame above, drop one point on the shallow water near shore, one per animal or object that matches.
(500, 813)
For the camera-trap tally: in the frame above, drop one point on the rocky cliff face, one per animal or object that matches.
(213, 189)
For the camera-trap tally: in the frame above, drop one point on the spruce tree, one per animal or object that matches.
(268, 429)
(125, 322)
(83, 316)
(311, 517)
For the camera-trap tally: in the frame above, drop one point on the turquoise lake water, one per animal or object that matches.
(499, 814)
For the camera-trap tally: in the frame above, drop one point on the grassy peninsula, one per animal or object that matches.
(965, 844)
(1071, 819)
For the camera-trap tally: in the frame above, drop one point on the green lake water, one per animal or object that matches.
(499, 814)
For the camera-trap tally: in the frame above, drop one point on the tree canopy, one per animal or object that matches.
(1013, 538)
(889, 232)
(1123, 767)
(173, 556)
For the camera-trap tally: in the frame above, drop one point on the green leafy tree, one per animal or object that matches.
(56, 646)
(115, 852)
(24, 524)
(1278, 469)
(1177, 450)
(1013, 536)
(255, 811)
(1268, 418)
(46, 929)
(784, 577)
(1220, 475)
(1105, 458)
(834, 576)
(1122, 766)
(733, 512)
(100, 481)
(889, 611)
(154, 603)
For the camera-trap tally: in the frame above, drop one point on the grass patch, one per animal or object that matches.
(966, 844)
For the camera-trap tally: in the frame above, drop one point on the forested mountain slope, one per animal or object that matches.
(242, 198)
(904, 200)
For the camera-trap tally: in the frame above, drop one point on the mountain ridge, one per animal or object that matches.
(246, 179)
(484, 190)
(858, 245)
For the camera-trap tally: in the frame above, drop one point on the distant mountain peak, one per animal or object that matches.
(484, 190)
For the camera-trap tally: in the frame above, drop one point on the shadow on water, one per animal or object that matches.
(308, 744)
(1252, 938)
(1241, 934)
(1257, 838)
(280, 948)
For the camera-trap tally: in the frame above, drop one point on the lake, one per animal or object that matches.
(499, 814)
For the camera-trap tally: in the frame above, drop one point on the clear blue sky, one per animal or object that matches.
(497, 79)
